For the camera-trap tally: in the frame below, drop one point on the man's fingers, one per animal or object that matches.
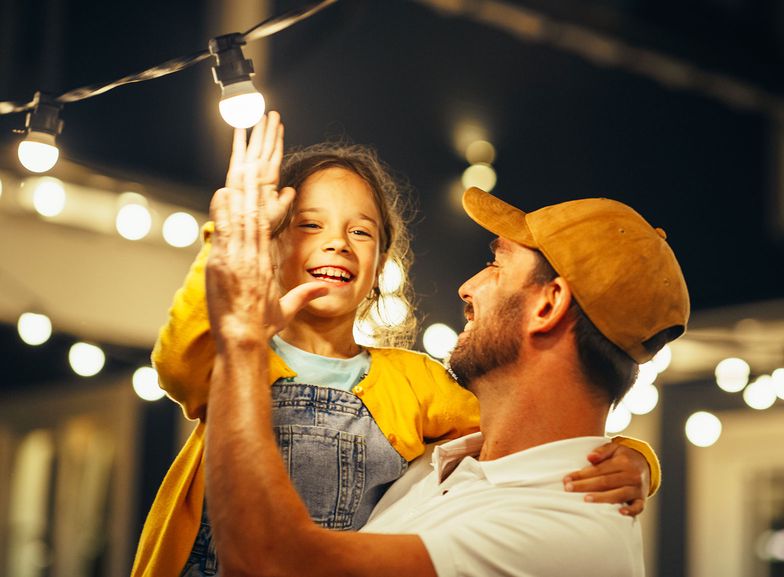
(256, 138)
(270, 136)
(298, 297)
(237, 159)
(219, 213)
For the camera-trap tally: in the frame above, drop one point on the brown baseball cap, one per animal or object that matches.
(621, 270)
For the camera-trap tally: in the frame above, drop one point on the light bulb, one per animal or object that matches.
(145, 384)
(86, 360)
(641, 399)
(618, 419)
(391, 278)
(732, 374)
(37, 156)
(389, 311)
(38, 151)
(49, 197)
(34, 329)
(703, 429)
(761, 394)
(133, 221)
(241, 105)
(180, 229)
(480, 175)
(439, 340)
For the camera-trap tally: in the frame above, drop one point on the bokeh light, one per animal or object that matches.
(760, 394)
(86, 359)
(390, 311)
(145, 384)
(662, 360)
(180, 229)
(439, 340)
(732, 374)
(34, 329)
(480, 151)
(480, 175)
(49, 197)
(618, 419)
(133, 221)
(391, 278)
(703, 429)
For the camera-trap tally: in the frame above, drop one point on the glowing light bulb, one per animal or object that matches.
(180, 229)
(145, 384)
(389, 311)
(34, 329)
(778, 382)
(86, 360)
(241, 105)
(38, 156)
(662, 359)
(703, 429)
(761, 394)
(480, 175)
(480, 151)
(49, 197)
(732, 374)
(641, 399)
(618, 419)
(364, 333)
(391, 278)
(439, 340)
(133, 221)
(38, 151)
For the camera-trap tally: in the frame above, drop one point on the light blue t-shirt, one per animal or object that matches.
(315, 369)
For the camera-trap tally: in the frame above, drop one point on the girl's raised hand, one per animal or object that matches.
(255, 166)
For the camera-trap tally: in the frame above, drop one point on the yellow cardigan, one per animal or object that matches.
(412, 398)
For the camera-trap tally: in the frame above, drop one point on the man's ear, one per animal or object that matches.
(553, 300)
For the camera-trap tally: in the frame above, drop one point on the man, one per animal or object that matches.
(577, 294)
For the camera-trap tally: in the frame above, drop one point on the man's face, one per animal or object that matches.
(495, 310)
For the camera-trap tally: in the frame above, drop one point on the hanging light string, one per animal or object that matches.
(241, 104)
(263, 29)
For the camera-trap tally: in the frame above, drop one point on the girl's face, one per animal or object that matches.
(333, 236)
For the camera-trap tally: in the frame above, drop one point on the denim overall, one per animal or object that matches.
(338, 459)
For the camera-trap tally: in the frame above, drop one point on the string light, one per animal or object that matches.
(34, 329)
(38, 151)
(439, 340)
(241, 105)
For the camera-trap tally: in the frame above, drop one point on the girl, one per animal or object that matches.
(348, 418)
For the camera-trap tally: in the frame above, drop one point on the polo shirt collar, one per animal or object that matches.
(537, 465)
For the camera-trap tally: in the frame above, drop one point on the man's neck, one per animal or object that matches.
(522, 409)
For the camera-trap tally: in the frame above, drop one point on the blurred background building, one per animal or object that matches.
(674, 108)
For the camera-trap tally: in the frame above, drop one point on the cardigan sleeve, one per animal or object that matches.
(185, 351)
(649, 454)
(448, 410)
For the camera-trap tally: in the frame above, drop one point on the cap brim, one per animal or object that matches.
(497, 216)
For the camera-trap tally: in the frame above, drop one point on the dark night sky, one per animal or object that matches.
(399, 76)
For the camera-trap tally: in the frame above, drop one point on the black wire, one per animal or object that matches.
(275, 25)
(263, 29)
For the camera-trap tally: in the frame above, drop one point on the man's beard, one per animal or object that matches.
(491, 343)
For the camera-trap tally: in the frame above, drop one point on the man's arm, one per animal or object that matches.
(261, 526)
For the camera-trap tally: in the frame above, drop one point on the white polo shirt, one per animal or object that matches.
(510, 516)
